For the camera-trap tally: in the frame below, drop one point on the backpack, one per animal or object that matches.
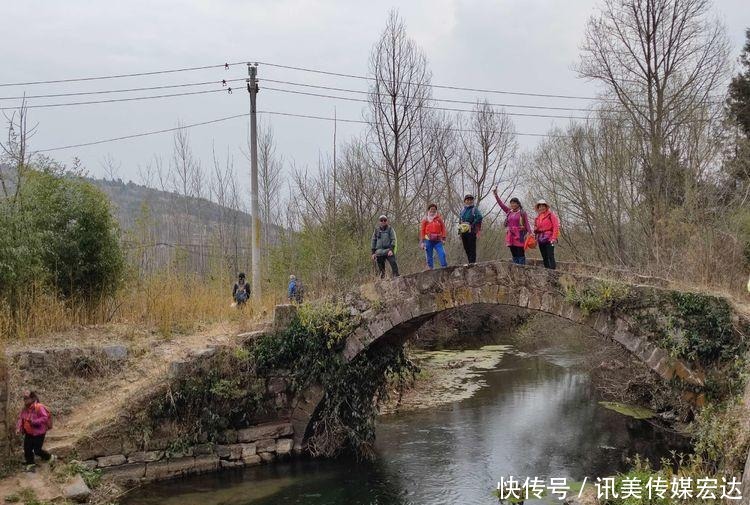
(241, 294)
(49, 415)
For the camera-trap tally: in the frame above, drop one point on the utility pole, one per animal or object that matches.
(252, 89)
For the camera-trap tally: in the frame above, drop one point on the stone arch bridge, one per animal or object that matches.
(626, 308)
(130, 447)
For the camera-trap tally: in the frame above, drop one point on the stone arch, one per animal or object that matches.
(396, 308)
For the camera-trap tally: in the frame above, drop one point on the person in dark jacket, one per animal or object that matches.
(241, 290)
(383, 246)
(470, 228)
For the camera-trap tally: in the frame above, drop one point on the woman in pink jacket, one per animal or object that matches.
(547, 231)
(517, 226)
(33, 422)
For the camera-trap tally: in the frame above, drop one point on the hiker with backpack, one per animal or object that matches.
(33, 423)
(295, 291)
(383, 246)
(432, 235)
(517, 227)
(546, 232)
(241, 290)
(470, 228)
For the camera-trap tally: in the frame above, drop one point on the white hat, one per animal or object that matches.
(382, 216)
(541, 202)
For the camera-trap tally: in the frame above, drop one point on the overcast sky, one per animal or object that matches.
(516, 45)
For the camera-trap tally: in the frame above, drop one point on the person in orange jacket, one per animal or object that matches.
(546, 232)
(432, 235)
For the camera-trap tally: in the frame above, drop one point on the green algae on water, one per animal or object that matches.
(633, 411)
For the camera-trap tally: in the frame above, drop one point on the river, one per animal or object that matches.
(536, 416)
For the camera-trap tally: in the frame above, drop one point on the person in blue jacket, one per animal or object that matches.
(295, 290)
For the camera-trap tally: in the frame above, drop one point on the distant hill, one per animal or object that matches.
(160, 227)
(157, 224)
(130, 198)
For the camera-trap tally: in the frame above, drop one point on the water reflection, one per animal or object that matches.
(537, 417)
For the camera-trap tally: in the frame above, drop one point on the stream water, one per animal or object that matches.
(538, 416)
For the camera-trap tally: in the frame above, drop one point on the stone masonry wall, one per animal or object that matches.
(240, 448)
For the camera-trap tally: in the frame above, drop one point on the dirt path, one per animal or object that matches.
(114, 394)
(40, 483)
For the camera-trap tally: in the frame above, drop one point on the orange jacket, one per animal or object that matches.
(437, 227)
(547, 227)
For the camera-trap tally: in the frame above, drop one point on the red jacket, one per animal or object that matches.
(437, 227)
(33, 420)
(547, 227)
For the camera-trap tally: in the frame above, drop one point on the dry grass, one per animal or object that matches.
(169, 305)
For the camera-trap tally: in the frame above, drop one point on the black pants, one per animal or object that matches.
(32, 444)
(469, 241)
(392, 261)
(519, 255)
(548, 255)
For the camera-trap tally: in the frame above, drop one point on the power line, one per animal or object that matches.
(437, 86)
(272, 113)
(359, 121)
(446, 100)
(449, 109)
(108, 91)
(334, 97)
(458, 88)
(471, 111)
(143, 134)
(306, 85)
(119, 76)
(114, 100)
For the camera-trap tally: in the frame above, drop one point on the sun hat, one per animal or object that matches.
(541, 202)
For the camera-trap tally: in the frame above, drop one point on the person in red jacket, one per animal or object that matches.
(33, 423)
(432, 235)
(546, 232)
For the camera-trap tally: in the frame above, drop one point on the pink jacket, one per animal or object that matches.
(34, 420)
(547, 227)
(517, 225)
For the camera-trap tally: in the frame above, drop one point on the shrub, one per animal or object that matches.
(73, 223)
(58, 233)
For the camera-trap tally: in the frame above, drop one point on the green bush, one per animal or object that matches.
(310, 350)
(598, 295)
(59, 232)
(706, 326)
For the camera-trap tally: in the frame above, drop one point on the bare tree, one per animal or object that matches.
(590, 176)
(660, 60)
(111, 167)
(361, 192)
(488, 149)
(15, 150)
(397, 114)
(270, 174)
(183, 174)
